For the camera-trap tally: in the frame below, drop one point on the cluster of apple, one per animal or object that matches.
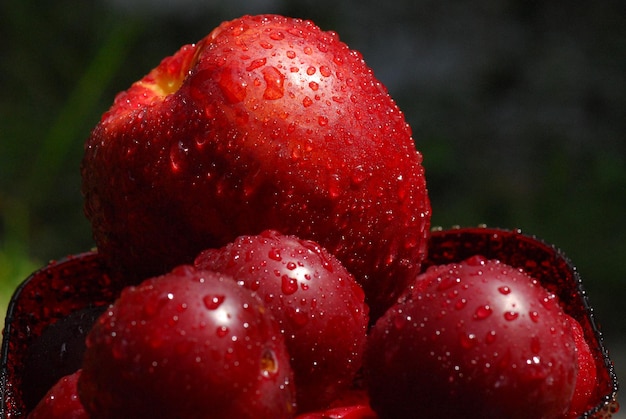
(260, 199)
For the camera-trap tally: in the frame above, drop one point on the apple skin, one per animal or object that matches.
(266, 123)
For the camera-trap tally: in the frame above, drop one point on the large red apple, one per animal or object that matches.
(268, 122)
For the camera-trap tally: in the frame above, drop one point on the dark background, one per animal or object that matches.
(519, 108)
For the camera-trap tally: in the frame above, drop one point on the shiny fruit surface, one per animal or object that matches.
(266, 123)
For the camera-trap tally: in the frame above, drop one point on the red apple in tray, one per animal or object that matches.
(52, 311)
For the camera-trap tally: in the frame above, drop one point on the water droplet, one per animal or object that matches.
(274, 81)
(310, 70)
(468, 340)
(266, 45)
(504, 290)
(178, 154)
(213, 301)
(399, 322)
(233, 86)
(314, 86)
(534, 316)
(447, 282)
(476, 260)
(549, 301)
(511, 315)
(334, 186)
(482, 312)
(322, 120)
(277, 35)
(491, 336)
(307, 101)
(288, 285)
(152, 307)
(274, 254)
(308, 50)
(291, 54)
(325, 71)
(460, 303)
(256, 64)
(297, 316)
(358, 176)
(221, 331)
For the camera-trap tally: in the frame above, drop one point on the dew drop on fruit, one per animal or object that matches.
(534, 316)
(476, 260)
(358, 176)
(274, 81)
(447, 283)
(152, 307)
(468, 340)
(221, 331)
(549, 301)
(491, 336)
(307, 101)
(212, 302)
(460, 303)
(504, 290)
(334, 187)
(233, 86)
(399, 322)
(325, 71)
(483, 312)
(297, 316)
(277, 35)
(322, 120)
(511, 315)
(291, 54)
(274, 254)
(288, 285)
(254, 285)
(178, 153)
(256, 64)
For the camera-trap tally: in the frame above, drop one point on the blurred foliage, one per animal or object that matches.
(518, 108)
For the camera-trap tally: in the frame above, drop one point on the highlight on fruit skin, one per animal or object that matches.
(266, 123)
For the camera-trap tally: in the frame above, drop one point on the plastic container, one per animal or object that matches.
(52, 311)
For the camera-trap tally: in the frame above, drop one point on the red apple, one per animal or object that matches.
(266, 123)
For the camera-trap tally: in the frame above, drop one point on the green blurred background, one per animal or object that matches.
(519, 108)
